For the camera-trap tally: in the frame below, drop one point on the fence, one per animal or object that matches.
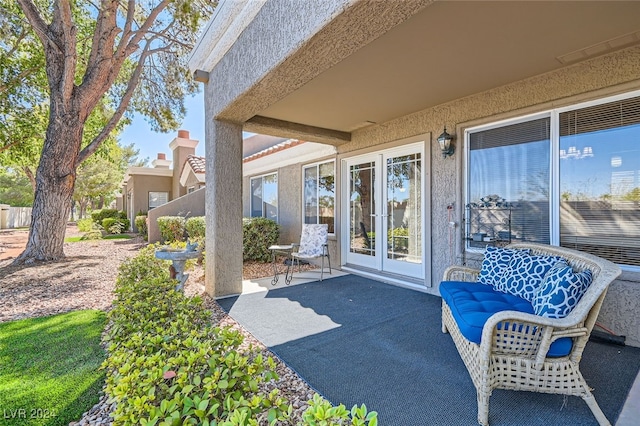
(14, 217)
(189, 205)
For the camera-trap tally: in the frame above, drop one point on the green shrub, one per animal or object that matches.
(195, 227)
(258, 233)
(86, 225)
(168, 364)
(141, 223)
(99, 215)
(95, 234)
(115, 226)
(171, 228)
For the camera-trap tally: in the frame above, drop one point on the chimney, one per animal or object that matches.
(161, 162)
(182, 147)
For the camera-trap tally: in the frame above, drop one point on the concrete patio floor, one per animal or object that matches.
(628, 417)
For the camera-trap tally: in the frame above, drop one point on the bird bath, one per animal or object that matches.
(178, 258)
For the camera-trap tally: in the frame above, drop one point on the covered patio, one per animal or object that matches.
(381, 80)
(357, 340)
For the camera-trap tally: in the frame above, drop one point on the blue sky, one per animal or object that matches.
(151, 143)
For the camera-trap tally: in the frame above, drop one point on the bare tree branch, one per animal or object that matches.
(104, 35)
(39, 25)
(32, 178)
(120, 110)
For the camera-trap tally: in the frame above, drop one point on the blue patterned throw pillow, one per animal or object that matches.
(495, 260)
(524, 274)
(561, 291)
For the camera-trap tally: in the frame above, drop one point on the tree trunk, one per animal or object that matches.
(55, 177)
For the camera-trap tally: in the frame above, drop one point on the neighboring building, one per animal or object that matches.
(542, 100)
(145, 188)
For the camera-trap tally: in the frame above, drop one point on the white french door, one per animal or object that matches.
(385, 211)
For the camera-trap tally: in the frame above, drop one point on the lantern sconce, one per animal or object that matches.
(444, 140)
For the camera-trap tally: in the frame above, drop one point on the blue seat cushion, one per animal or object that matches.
(472, 305)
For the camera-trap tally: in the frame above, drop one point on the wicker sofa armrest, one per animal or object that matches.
(460, 273)
(527, 334)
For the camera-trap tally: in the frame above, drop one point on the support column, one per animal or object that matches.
(223, 207)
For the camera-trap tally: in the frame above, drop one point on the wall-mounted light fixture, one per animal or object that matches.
(445, 140)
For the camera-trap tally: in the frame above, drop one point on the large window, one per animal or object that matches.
(264, 196)
(319, 194)
(599, 159)
(569, 177)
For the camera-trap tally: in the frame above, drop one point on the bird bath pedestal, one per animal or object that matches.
(178, 258)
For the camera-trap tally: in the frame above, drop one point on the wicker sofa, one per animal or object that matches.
(515, 348)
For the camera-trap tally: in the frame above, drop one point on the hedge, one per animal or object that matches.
(258, 233)
(115, 225)
(99, 215)
(141, 224)
(168, 364)
(171, 228)
(196, 227)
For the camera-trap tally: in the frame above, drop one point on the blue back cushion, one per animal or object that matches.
(494, 261)
(472, 305)
(524, 274)
(561, 291)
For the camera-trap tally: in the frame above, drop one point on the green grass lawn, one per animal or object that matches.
(49, 368)
(106, 237)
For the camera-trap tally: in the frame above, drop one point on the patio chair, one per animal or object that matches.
(313, 245)
(514, 351)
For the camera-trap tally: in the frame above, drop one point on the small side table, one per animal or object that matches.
(279, 249)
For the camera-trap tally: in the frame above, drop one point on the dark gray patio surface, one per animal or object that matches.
(356, 341)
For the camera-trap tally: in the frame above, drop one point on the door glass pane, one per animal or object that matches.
(311, 195)
(326, 194)
(362, 209)
(404, 212)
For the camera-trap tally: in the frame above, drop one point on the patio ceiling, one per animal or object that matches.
(451, 50)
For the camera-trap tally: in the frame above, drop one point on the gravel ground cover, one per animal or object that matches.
(85, 279)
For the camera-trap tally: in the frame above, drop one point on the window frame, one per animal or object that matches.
(317, 167)
(554, 166)
(156, 192)
(261, 177)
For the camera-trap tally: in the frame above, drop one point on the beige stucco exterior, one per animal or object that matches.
(137, 188)
(315, 44)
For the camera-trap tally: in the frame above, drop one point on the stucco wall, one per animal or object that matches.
(614, 73)
(289, 207)
(141, 185)
(189, 205)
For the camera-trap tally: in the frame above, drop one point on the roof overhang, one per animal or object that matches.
(187, 171)
(146, 171)
(306, 152)
(347, 74)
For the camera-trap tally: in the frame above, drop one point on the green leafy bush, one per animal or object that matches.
(95, 234)
(99, 215)
(86, 225)
(196, 227)
(115, 226)
(258, 233)
(168, 364)
(171, 228)
(141, 224)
